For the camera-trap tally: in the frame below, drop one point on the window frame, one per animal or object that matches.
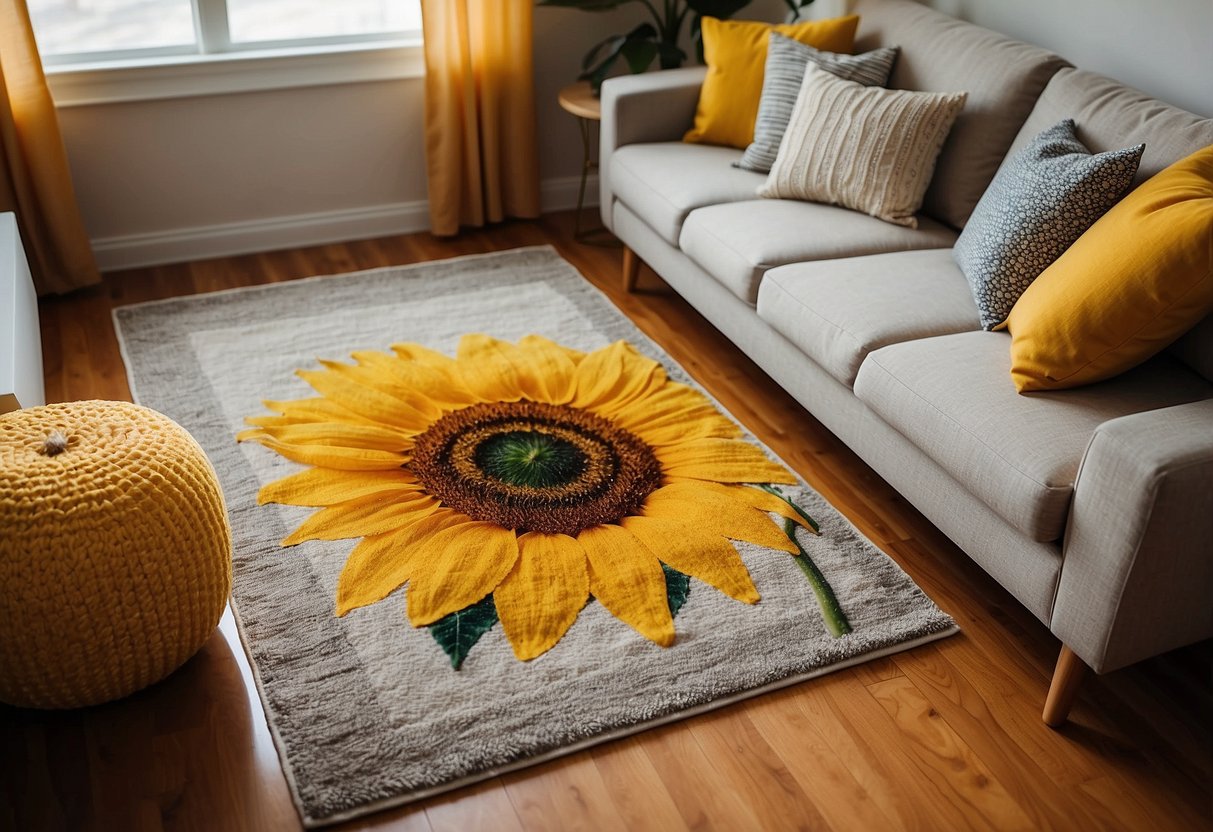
(214, 65)
(212, 36)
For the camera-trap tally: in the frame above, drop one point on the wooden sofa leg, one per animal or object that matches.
(631, 269)
(1063, 690)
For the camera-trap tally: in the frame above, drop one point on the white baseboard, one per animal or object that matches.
(201, 242)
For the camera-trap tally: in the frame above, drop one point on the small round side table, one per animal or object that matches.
(579, 100)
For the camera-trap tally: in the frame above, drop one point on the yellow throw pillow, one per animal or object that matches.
(736, 55)
(1139, 278)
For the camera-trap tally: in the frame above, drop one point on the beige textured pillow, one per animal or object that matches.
(865, 148)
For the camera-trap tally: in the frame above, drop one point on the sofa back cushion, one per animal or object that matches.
(1003, 78)
(1109, 115)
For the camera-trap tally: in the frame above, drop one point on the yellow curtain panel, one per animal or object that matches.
(481, 155)
(35, 181)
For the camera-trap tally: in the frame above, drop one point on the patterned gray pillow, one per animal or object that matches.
(1041, 201)
(786, 60)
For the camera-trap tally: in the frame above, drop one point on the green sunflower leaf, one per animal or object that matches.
(458, 632)
(677, 588)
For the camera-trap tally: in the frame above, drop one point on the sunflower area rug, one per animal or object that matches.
(481, 521)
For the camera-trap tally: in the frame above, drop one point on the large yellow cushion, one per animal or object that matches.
(736, 55)
(1134, 282)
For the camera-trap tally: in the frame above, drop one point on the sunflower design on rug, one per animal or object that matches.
(515, 482)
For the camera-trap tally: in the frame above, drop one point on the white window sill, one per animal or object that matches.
(78, 85)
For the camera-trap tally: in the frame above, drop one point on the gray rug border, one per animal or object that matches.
(621, 733)
(678, 372)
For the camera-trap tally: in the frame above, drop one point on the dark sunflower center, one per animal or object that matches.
(535, 467)
(529, 458)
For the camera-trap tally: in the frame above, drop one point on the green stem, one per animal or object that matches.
(770, 489)
(831, 611)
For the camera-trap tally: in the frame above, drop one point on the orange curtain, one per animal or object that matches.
(480, 146)
(35, 181)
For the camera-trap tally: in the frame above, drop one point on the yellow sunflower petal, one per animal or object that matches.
(531, 340)
(690, 550)
(370, 515)
(457, 567)
(763, 501)
(343, 459)
(716, 514)
(676, 433)
(326, 487)
(540, 372)
(610, 378)
(486, 370)
(302, 411)
(365, 401)
(540, 599)
(544, 370)
(387, 382)
(670, 406)
(337, 434)
(438, 383)
(379, 565)
(423, 355)
(627, 579)
(720, 460)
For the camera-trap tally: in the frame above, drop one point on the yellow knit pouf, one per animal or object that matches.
(115, 552)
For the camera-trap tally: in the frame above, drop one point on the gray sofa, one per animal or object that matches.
(1094, 506)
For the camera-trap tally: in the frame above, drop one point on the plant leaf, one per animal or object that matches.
(677, 588)
(671, 56)
(605, 50)
(794, 6)
(717, 8)
(458, 632)
(587, 5)
(639, 54)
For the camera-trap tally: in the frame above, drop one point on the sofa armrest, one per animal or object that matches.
(650, 107)
(1137, 563)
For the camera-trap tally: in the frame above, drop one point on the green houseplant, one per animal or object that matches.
(656, 39)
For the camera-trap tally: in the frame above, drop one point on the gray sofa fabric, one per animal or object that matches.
(665, 182)
(1144, 498)
(1003, 78)
(838, 311)
(1092, 506)
(737, 242)
(1108, 115)
(653, 107)
(1026, 568)
(952, 398)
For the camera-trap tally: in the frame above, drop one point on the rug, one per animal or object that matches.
(379, 694)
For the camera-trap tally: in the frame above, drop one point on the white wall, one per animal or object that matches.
(188, 178)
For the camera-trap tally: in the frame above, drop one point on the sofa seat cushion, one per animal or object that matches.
(952, 397)
(738, 242)
(663, 182)
(838, 311)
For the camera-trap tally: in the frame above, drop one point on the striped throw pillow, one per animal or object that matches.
(860, 147)
(786, 60)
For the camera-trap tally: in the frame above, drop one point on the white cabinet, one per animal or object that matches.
(20, 340)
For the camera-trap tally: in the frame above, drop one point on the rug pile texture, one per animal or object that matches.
(379, 707)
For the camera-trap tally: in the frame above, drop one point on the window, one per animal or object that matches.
(97, 31)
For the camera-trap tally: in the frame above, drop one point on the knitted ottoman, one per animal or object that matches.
(115, 552)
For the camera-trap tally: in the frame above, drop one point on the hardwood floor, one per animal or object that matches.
(947, 736)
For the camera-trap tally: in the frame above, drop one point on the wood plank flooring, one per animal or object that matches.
(947, 736)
